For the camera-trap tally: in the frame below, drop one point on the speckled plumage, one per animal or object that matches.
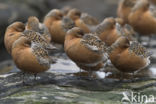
(37, 38)
(138, 50)
(93, 42)
(41, 55)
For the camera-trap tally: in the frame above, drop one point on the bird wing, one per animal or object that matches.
(139, 49)
(37, 38)
(93, 43)
(41, 55)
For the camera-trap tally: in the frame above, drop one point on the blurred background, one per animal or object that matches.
(20, 10)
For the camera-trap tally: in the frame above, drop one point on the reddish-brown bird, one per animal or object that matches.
(109, 30)
(128, 56)
(143, 19)
(30, 57)
(13, 32)
(75, 15)
(86, 50)
(57, 25)
(124, 9)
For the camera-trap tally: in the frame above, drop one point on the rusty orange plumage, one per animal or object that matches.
(13, 32)
(142, 18)
(86, 50)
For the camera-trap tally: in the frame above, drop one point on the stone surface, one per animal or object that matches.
(65, 89)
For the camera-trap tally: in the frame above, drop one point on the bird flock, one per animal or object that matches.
(87, 42)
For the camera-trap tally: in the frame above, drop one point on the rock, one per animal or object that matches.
(64, 89)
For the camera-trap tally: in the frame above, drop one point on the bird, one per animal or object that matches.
(13, 32)
(143, 19)
(106, 31)
(124, 9)
(58, 25)
(75, 15)
(83, 20)
(109, 30)
(85, 49)
(128, 56)
(34, 24)
(30, 57)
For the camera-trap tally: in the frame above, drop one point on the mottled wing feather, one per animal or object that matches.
(36, 37)
(41, 55)
(139, 50)
(93, 43)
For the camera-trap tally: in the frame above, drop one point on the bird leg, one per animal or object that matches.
(122, 76)
(90, 73)
(23, 75)
(139, 38)
(80, 72)
(133, 74)
(35, 76)
(149, 41)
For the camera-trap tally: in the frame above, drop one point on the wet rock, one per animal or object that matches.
(63, 89)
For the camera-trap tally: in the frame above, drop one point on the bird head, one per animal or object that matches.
(33, 23)
(74, 14)
(17, 26)
(56, 14)
(76, 32)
